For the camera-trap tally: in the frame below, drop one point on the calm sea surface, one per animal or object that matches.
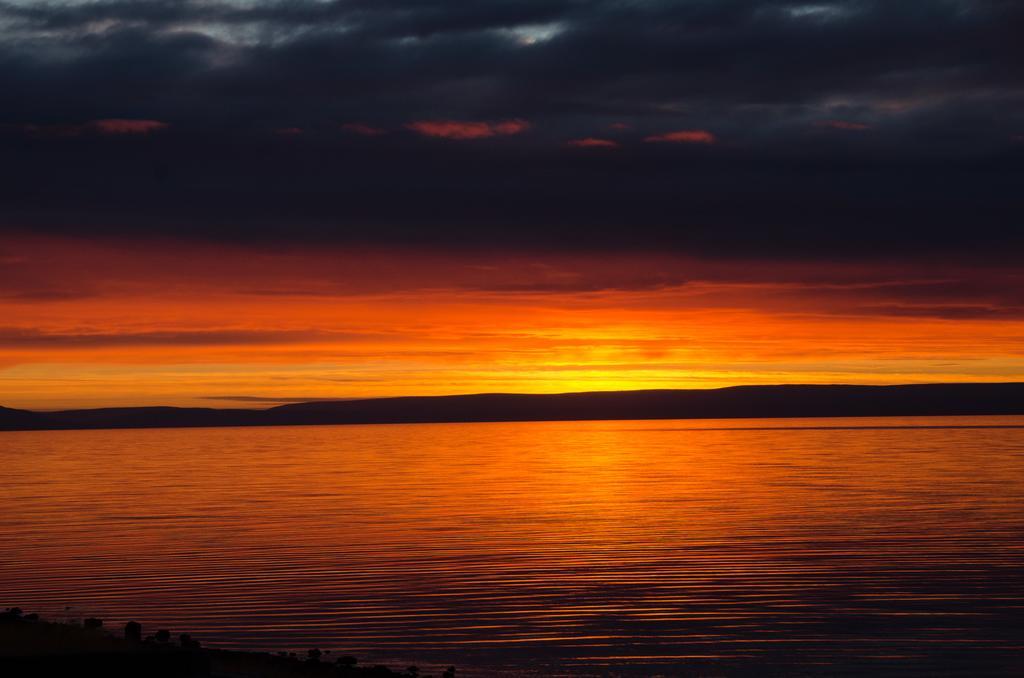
(715, 548)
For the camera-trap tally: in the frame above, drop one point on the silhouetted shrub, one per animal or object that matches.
(133, 632)
(186, 641)
(92, 623)
(163, 636)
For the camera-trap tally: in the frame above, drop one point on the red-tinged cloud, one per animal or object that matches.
(844, 125)
(108, 126)
(592, 142)
(126, 126)
(456, 129)
(686, 136)
(363, 130)
(620, 126)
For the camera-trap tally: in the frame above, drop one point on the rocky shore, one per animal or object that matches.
(30, 646)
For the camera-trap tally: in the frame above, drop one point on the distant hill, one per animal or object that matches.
(155, 417)
(723, 403)
(20, 419)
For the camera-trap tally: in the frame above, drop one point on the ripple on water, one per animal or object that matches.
(889, 546)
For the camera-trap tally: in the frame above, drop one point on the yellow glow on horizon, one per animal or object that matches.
(131, 329)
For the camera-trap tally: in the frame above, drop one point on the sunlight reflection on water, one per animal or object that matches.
(868, 545)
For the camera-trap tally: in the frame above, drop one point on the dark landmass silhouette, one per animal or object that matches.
(21, 419)
(30, 646)
(723, 403)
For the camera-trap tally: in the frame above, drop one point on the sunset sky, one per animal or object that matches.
(248, 203)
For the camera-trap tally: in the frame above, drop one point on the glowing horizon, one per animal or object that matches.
(99, 323)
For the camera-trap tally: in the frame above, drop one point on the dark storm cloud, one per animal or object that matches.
(840, 127)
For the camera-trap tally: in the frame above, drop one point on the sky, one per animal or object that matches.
(227, 203)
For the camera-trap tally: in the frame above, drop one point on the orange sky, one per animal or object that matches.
(93, 323)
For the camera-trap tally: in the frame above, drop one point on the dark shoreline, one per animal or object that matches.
(736, 402)
(31, 646)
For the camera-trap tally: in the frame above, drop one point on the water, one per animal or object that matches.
(746, 547)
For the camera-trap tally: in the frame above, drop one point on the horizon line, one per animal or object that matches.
(285, 401)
